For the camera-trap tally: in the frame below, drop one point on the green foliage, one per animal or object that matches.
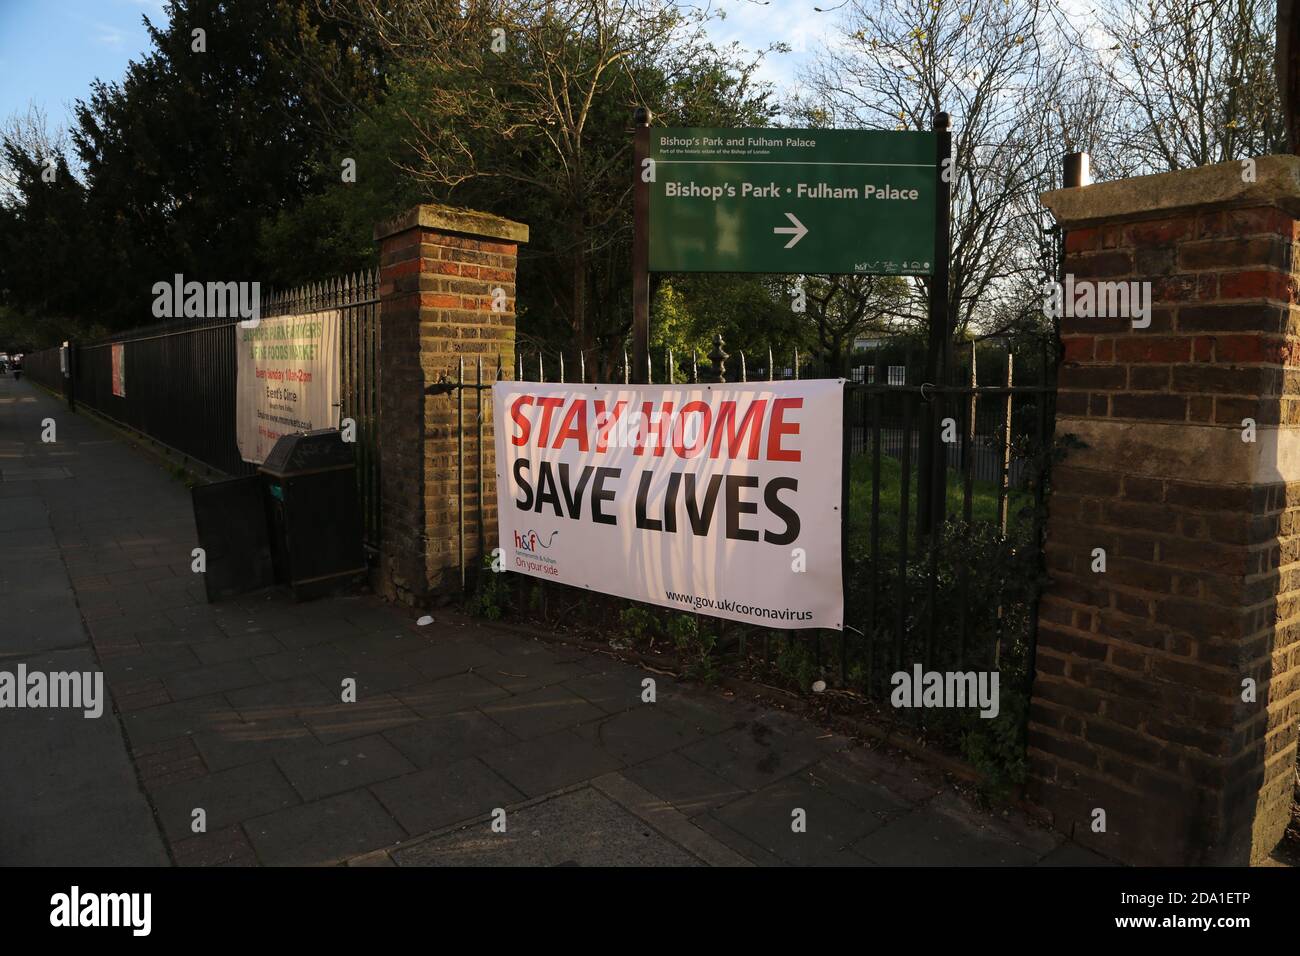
(331, 231)
(978, 607)
(22, 331)
(637, 622)
(688, 310)
(695, 646)
(492, 596)
(984, 502)
(996, 747)
(44, 241)
(182, 160)
(795, 662)
(683, 629)
(538, 131)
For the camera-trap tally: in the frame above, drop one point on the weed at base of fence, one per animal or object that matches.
(696, 646)
(993, 746)
(638, 625)
(795, 663)
(491, 597)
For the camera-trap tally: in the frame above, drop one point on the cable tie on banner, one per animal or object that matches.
(923, 387)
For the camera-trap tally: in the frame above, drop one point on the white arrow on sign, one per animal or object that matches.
(798, 229)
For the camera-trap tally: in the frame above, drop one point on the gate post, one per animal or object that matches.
(1168, 670)
(447, 292)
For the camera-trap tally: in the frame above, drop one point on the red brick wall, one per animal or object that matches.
(437, 289)
(1137, 705)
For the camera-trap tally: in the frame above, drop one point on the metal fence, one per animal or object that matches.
(180, 380)
(942, 570)
(43, 368)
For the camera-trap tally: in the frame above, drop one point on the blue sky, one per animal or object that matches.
(795, 22)
(51, 50)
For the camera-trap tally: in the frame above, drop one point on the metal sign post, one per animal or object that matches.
(640, 246)
(933, 464)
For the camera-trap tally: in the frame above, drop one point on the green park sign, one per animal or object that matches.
(792, 200)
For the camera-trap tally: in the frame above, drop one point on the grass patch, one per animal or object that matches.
(984, 501)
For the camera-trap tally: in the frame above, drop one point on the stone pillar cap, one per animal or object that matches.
(1277, 183)
(464, 222)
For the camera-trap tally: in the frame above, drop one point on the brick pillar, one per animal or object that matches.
(1138, 703)
(439, 271)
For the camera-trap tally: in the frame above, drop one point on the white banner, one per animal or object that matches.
(716, 499)
(287, 379)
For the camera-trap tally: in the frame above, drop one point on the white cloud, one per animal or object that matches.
(106, 35)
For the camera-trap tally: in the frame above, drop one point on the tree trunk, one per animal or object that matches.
(1288, 69)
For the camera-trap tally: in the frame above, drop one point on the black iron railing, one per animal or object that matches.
(954, 590)
(180, 380)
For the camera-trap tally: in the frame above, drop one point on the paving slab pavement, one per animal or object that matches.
(236, 709)
(68, 789)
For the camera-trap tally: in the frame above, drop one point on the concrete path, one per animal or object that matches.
(68, 790)
(235, 710)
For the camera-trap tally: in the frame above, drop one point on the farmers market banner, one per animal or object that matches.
(714, 499)
(287, 379)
